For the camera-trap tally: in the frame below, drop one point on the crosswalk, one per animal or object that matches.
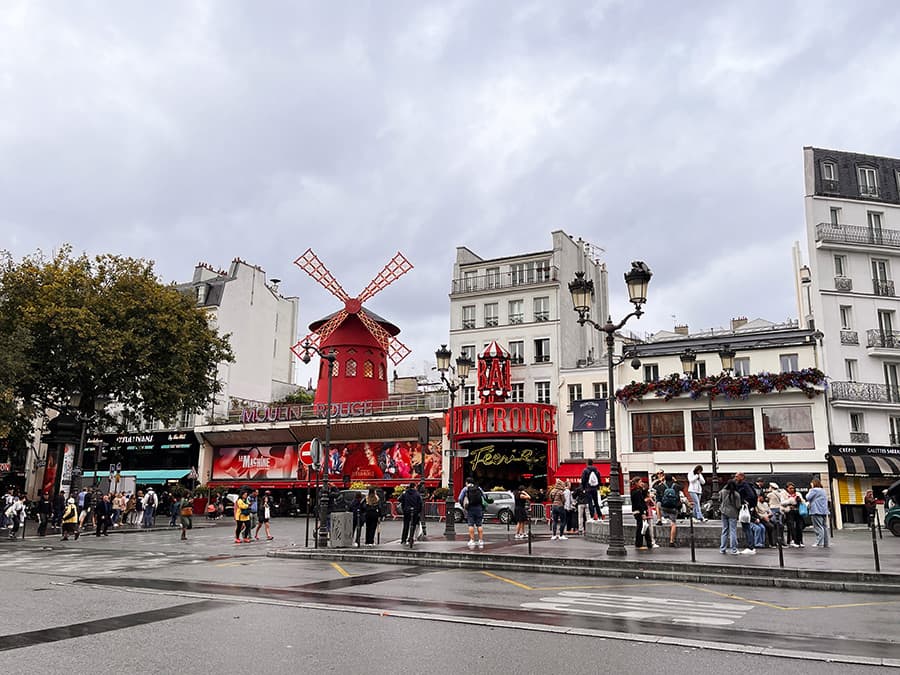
(679, 611)
(83, 563)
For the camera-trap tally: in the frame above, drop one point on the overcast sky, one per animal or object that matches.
(661, 131)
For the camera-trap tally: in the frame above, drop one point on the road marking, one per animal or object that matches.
(642, 607)
(341, 570)
(569, 588)
(508, 581)
(785, 608)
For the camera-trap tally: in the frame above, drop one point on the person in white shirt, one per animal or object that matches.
(696, 481)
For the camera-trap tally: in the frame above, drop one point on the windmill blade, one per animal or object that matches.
(329, 326)
(310, 263)
(379, 333)
(313, 341)
(396, 268)
(398, 351)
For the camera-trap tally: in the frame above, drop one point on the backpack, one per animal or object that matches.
(592, 480)
(670, 498)
(473, 497)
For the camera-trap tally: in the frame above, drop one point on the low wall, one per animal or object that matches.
(706, 535)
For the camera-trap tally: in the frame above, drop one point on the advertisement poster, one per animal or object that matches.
(68, 461)
(255, 462)
(49, 481)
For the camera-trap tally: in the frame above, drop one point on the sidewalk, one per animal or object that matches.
(52, 532)
(847, 565)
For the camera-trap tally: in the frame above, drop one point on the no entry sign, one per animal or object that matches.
(311, 452)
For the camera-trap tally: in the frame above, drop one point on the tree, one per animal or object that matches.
(106, 328)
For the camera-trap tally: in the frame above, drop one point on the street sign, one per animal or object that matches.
(459, 452)
(305, 455)
(315, 450)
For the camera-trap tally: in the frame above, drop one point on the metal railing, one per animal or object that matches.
(884, 339)
(491, 282)
(839, 233)
(859, 437)
(850, 337)
(400, 404)
(843, 284)
(871, 392)
(883, 287)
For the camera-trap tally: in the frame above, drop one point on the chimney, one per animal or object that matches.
(682, 329)
(738, 322)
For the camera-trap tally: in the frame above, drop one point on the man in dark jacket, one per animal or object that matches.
(43, 513)
(411, 505)
(59, 505)
(103, 515)
(750, 498)
(590, 483)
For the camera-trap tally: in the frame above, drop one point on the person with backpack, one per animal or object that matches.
(473, 500)
(669, 500)
(150, 502)
(730, 508)
(411, 506)
(590, 483)
(70, 520)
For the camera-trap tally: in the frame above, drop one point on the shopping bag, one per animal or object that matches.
(744, 515)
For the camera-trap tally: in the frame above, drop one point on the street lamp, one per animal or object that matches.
(456, 381)
(637, 280)
(85, 410)
(688, 360)
(306, 350)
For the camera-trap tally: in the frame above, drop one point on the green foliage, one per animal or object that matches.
(301, 396)
(105, 327)
(398, 490)
(440, 494)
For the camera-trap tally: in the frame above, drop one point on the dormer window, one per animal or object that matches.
(868, 181)
(829, 171)
(201, 294)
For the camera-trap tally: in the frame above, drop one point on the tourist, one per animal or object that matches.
(473, 499)
(817, 499)
(730, 508)
(766, 520)
(590, 483)
(150, 502)
(520, 511)
(750, 500)
(790, 507)
(411, 508)
(640, 509)
(696, 481)
(103, 516)
(668, 496)
(242, 518)
(70, 520)
(185, 509)
(264, 514)
(357, 508)
(372, 515)
(558, 510)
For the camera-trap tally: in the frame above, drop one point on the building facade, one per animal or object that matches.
(847, 291)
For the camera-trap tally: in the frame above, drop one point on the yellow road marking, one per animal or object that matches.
(341, 570)
(566, 588)
(785, 608)
(229, 564)
(509, 581)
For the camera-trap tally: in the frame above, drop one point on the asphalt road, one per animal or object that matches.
(147, 601)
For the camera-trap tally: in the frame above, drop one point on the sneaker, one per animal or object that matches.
(480, 543)
(246, 540)
(237, 541)
(77, 534)
(733, 551)
(553, 537)
(356, 544)
(673, 544)
(748, 551)
(722, 551)
(471, 543)
(814, 545)
(562, 536)
(642, 548)
(802, 546)
(793, 545)
(655, 545)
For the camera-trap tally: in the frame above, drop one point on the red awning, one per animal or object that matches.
(572, 470)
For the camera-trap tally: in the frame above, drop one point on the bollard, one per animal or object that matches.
(875, 549)
(780, 534)
(529, 536)
(878, 522)
(693, 552)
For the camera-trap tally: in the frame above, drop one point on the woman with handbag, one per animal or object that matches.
(790, 508)
(641, 512)
(186, 511)
(242, 518)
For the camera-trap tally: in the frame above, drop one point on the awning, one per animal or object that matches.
(145, 476)
(572, 470)
(865, 465)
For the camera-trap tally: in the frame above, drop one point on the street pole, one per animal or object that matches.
(449, 509)
(616, 526)
(325, 497)
(715, 459)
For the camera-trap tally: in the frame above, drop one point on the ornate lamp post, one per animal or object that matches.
(582, 290)
(456, 381)
(688, 360)
(305, 353)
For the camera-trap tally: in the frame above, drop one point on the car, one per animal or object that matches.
(502, 507)
(626, 506)
(892, 508)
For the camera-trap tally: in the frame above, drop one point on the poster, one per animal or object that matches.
(255, 462)
(400, 460)
(68, 461)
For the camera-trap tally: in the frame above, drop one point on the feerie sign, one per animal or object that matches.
(521, 419)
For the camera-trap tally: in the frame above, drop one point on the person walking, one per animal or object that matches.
(15, 515)
(817, 499)
(254, 511)
(696, 481)
(749, 499)
(790, 507)
(668, 496)
(150, 502)
(263, 514)
(472, 499)
(103, 516)
(372, 515)
(521, 500)
(44, 509)
(640, 509)
(59, 507)
(119, 504)
(70, 520)
(185, 509)
(411, 507)
(590, 483)
(730, 508)
(242, 518)
(558, 510)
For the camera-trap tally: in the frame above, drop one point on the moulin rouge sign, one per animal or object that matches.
(521, 419)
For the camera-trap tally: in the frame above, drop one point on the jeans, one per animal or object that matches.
(593, 501)
(729, 534)
(148, 517)
(749, 535)
(558, 515)
(820, 526)
(698, 514)
(759, 534)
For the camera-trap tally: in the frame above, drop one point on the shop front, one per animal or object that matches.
(856, 469)
(156, 458)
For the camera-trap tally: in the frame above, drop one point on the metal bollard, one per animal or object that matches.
(529, 536)
(780, 535)
(693, 551)
(875, 549)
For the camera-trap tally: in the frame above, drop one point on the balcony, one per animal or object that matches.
(868, 190)
(859, 437)
(865, 392)
(843, 284)
(850, 337)
(839, 233)
(831, 187)
(883, 287)
(506, 280)
(883, 339)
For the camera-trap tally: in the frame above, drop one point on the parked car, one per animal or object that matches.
(501, 508)
(626, 506)
(892, 508)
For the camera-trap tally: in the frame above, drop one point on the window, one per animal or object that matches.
(380, 371)
(469, 395)
(468, 351)
(574, 394)
(542, 270)
(699, 369)
(542, 309)
(886, 327)
(491, 314)
(851, 366)
(542, 350)
(651, 372)
(201, 294)
(516, 352)
(601, 444)
(336, 368)
(576, 444)
(470, 281)
(788, 362)
(742, 366)
(368, 370)
(521, 273)
(868, 183)
(788, 428)
(657, 432)
(857, 423)
(846, 312)
(840, 265)
(881, 283)
(892, 381)
(516, 311)
(517, 392)
(895, 430)
(600, 389)
(733, 429)
(873, 220)
(835, 216)
(468, 316)
(542, 392)
(492, 278)
(829, 171)
(350, 368)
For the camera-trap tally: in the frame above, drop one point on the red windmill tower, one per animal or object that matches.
(362, 340)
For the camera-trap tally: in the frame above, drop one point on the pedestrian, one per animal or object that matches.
(790, 507)
(103, 516)
(558, 511)
(119, 505)
(521, 500)
(150, 502)
(87, 509)
(411, 507)
(185, 509)
(264, 514)
(696, 481)
(357, 508)
(242, 518)
(590, 483)
(70, 520)
(372, 515)
(44, 511)
(254, 512)
(473, 500)
(871, 506)
(15, 515)
(765, 519)
(59, 506)
(749, 500)
(579, 494)
(817, 499)
(668, 496)
(571, 509)
(774, 497)
(730, 508)
(641, 512)
(174, 505)
(657, 487)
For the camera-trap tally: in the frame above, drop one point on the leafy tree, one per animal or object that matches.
(300, 396)
(106, 328)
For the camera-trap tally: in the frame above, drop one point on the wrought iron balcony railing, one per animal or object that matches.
(497, 281)
(870, 392)
(883, 287)
(839, 233)
(859, 437)
(850, 337)
(843, 284)
(883, 339)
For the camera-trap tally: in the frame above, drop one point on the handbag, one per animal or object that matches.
(645, 527)
(803, 509)
(744, 515)
(187, 511)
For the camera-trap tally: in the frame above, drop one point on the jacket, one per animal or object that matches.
(639, 501)
(586, 477)
(411, 501)
(730, 500)
(70, 515)
(239, 507)
(696, 481)
(818, 502)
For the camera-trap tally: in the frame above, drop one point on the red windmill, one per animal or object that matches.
(362, 340)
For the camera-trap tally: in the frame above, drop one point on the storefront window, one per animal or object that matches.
(658, 432)
(734, 429)
(788, 428)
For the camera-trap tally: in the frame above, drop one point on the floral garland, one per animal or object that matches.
(810, 381)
